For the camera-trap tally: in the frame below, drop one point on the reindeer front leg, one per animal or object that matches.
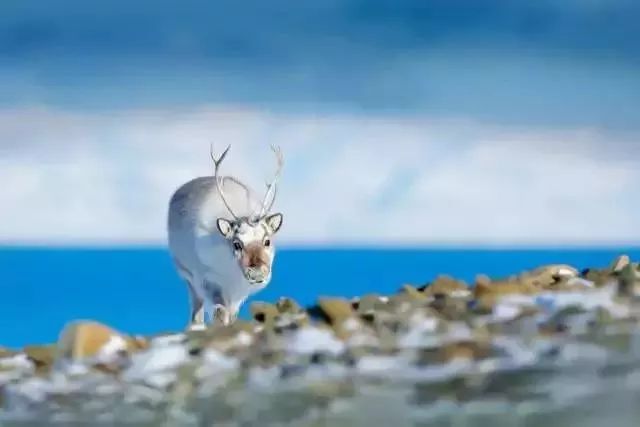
(222, 315)
(227, 314)
(196, 316)
(217, 309)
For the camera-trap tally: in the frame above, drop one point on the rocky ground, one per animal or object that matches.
(552, 346)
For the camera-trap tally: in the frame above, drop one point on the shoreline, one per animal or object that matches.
(456, 343)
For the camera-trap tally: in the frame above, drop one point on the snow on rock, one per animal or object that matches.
(19, 361)
(375, 365)
(156, 365)
(551, 302)
(505, 311)
(166, 340)
(600, 298)
(112, 350)
(312, 339)
(19, 395)
(420, 326)
(214, 363)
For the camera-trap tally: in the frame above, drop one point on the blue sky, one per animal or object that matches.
(414, 122)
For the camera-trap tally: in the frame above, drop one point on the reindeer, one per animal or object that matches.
(224, 255)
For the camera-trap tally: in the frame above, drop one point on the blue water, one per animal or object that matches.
(138, 291)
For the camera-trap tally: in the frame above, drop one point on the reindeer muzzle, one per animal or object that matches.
(256, 264)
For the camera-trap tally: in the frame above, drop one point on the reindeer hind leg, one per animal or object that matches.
(196, 304)
(196, 316)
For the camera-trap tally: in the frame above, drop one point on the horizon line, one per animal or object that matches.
(338, 246)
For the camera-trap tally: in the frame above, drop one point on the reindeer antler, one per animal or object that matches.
(272, 189)
(217, 162)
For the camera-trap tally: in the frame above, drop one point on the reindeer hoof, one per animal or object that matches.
(197, 327)
(223, 315)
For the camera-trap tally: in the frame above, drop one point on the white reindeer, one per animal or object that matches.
(224, 254)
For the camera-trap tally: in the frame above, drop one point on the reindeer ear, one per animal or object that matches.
(274, 222)
(224, 227)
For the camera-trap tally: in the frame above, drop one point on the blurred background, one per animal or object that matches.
(405, 125)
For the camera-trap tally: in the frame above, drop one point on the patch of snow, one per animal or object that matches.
(351, 324)
(575, 352)
(244, 339)
(312, 339)
(565, 271)
(167, 340)
(372, 364)
(515, 348)
(591, 300)
(212, 357)
(263, 378)
(115, 345)
(505, 311)
(583, 282)
(460, 293)
(71, 367)
(33, 389)
(363, 339)
(160, 380)
(142, 393)
(419, 326)
(154, 360)
(552, 302)
(19, 362)
(457, 331)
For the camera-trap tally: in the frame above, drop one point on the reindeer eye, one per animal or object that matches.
(267, 242)
(237, 245)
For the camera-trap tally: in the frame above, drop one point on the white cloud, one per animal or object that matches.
(72, 177)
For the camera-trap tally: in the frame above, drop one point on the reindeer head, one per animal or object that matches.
(251, 237)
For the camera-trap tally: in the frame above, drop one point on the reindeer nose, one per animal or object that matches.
(254, 258)
(255, 261)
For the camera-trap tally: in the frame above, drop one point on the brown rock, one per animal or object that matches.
(413, 292)
(336, 309)
(85, 339)
(484, 287)
(41, 356)
(137, 343)
(547, 276)
(469, 350)
(450, 308)
(339, 313)
(224, 338)
(288, 305)
(291, 315)
(263, 312)
(446, 285)
(370, 302)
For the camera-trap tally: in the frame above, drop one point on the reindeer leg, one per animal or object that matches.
(222, 315)
(221, 312)
(196, 317)
(196, 306)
